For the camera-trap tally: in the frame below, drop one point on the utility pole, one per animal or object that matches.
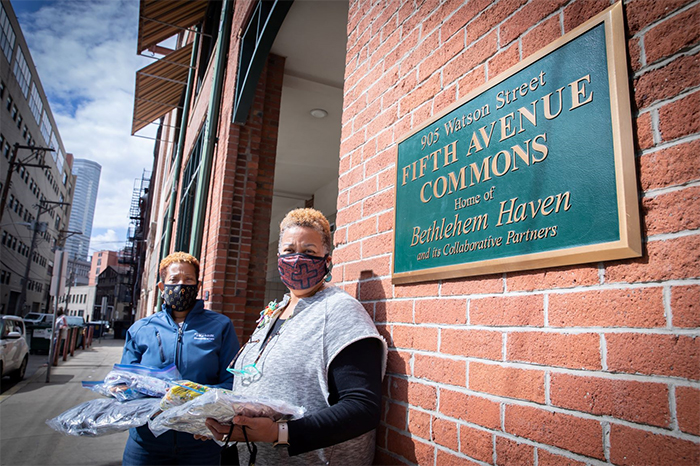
(71, 276)
(37, 152)
(55, 339)
(37, 226)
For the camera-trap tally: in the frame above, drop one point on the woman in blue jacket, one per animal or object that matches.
(200, 342)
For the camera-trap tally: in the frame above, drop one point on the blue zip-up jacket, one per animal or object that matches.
(202, 350)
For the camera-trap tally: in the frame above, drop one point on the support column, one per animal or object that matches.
(237, 230)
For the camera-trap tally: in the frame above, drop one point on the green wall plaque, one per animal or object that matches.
(534, 169)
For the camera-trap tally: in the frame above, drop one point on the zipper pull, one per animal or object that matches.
(179, 334)
(160, 347)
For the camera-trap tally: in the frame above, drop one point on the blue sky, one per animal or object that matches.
(85, 54)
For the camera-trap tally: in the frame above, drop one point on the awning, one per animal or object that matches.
(162, 19)
(159, 87)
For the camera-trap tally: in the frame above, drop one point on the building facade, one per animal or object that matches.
(592, 363)
(112, 296)
(87, 183)
(35, 172)
(99, 261)
(78, 272)
(79, 301)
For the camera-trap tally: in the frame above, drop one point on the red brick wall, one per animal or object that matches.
(588, 364)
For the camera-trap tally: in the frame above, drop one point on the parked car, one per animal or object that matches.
(14, 351)
(38, 318)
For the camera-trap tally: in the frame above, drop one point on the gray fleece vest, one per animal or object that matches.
(294, 367)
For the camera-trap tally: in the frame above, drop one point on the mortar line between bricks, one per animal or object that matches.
(662, 379)
(661, 103)
(646, 68)
(692, 331)
(667, 236)
(689, 138)
(622, 286)
(652, 193)
(606, 440)
(668, 312)
(672, 407)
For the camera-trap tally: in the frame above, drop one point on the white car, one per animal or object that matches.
(14, 351)
(38, 318)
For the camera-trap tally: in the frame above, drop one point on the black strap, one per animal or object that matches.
(252, 448)
(228, 437)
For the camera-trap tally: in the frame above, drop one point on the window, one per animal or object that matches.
(8, 102)
(14, 112)
(7, 35)
(46, 127)
(60, 158)
(99, 261)
(21, 71)
(35, 104)
(255, 44)
(189, 187)
(2, 89)
(19, 121)
(4, 236)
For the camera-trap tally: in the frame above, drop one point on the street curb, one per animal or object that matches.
(39, 372)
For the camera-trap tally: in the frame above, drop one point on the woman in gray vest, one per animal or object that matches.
(319, 349)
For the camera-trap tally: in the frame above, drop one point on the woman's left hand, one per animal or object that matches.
(258, 429)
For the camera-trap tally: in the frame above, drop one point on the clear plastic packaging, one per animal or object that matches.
(121, 391)
(143, 379)
(221, 405)
(181, 392)
(104, 416)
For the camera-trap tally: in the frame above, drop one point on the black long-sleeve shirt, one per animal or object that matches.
(355, 394)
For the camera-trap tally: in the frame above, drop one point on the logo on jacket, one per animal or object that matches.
(204, 336)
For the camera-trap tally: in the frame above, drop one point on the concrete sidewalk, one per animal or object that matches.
(25, 439)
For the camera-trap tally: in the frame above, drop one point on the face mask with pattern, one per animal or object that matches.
(301, 271)
(179, 297)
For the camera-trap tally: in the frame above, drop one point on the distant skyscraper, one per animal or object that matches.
(83, 208)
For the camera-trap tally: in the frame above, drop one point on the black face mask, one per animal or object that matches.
(179, 298)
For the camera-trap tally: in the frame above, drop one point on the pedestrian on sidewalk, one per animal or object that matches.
(200, 342)
(58, 327)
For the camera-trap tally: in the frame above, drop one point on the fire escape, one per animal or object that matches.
(131, 257)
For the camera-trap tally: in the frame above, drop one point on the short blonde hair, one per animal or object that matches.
(310, 218)
(175, 257)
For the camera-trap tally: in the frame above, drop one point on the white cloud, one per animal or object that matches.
(107, 240)
(85, 53)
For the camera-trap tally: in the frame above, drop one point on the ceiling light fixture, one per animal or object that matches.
(318, 113)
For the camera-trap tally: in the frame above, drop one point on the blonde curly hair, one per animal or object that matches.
(310, 218)
(175, 257)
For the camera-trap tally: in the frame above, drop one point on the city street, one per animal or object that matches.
(36, 362)
(25, 439)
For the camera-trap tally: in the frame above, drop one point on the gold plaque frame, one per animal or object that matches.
(629, 244)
